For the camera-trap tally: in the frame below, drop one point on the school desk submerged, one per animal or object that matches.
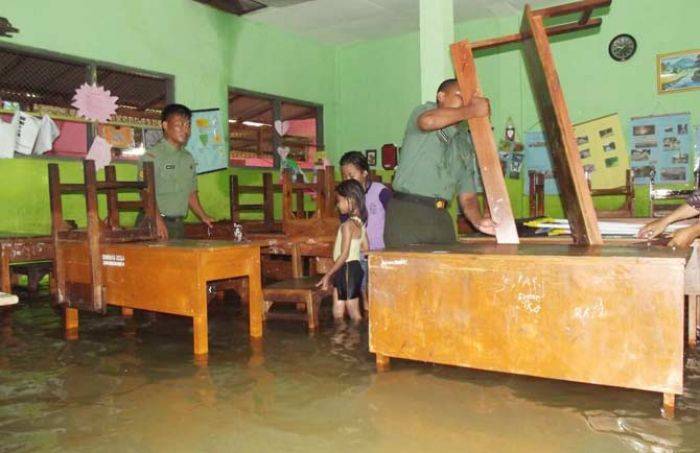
(608, 315)
(166, 277)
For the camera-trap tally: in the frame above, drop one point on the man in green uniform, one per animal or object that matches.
(176, 176)
(437, 162)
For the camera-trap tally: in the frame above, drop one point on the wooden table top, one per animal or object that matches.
(641, 251)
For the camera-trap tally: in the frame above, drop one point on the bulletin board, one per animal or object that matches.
(603, 151)
(206, 143)
(662, 143)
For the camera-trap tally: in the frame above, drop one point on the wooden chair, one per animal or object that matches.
(536, 195)
(298, 291)
(266, 208)
(89, 296)
(627, 208)
(657, 194)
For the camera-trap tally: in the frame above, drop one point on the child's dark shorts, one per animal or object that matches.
(348, 280)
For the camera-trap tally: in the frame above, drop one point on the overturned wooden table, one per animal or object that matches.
(166, 277)
(608, 315)
(15, 248)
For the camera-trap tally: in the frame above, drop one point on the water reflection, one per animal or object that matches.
(133, 384)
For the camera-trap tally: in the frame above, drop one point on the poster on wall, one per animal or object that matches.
(206, 143)
(661, 143)
(537, 159)
(603, 151)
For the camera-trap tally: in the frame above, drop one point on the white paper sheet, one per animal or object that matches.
(48, 133)
(100, 152)
(7, 140)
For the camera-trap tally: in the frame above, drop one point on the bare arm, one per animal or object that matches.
(656, 227)
(442, 117)
(346, 238)
(197, 208)
(685, 236)
(470, 207)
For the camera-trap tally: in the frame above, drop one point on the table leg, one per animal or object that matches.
(382, 362)
(71, 323)
(669, 409)
(200, 331)
(5, 284)
(692, 319)
(255, 300)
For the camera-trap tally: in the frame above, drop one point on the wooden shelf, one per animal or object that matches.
(76, 119)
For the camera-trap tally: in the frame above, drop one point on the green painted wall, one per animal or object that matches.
(368, 88)
(594, 84)
(206, 50)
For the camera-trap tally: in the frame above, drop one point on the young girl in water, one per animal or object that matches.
(354, 165)
(346, 273)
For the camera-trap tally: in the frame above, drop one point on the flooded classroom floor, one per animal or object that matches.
(133, 386)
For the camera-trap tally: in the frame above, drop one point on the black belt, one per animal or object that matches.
(437, 203)
(172, 218)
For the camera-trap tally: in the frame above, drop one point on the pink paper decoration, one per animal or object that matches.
(94, 102)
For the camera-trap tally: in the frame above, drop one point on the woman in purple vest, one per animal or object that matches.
(354, 165)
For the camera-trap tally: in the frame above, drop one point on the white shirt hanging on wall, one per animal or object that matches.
(7, 140)
(48, 133)
(27, 129)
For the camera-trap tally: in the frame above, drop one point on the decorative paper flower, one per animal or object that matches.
(94, 102)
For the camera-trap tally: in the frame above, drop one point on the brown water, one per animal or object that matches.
(133, 386)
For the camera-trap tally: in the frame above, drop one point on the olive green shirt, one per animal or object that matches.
(438, 163)
(176, 177)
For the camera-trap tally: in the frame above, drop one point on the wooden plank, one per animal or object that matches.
(551, 31)
(503, 308)
(570, 8)
(112, 200)
(485, 147)
(93, 236)
(559, 131)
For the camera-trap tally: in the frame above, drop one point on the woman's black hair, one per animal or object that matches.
(355, 193)
(355, 158)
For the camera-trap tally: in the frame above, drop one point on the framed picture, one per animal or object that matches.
(371, 157)
(678, 71)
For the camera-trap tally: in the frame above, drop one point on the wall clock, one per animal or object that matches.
(622, 47)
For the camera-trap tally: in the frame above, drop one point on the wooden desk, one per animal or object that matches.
(166, 277)
(604, 315)
(21, 248)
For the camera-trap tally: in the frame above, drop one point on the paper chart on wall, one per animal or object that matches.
(206, 142)
(603, 151)
(661, 143)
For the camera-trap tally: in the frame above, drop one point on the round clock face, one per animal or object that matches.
(622, 47)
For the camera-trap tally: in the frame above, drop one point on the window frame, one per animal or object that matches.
(277, 102)
(91, 66)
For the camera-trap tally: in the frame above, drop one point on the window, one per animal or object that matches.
(43, 83)
(254, 138)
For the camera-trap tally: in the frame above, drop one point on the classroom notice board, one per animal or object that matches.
(603, 151)
(602, 148)
(206, 143)
(661, 143)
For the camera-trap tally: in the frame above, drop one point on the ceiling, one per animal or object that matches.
(344, 21)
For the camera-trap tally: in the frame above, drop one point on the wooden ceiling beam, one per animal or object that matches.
(518, 37)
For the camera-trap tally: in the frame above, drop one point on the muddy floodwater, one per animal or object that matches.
(134, 386)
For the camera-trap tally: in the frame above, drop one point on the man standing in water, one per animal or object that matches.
(437, 162)
(175, 172)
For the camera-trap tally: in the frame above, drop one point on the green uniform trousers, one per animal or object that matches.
(408, 222)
